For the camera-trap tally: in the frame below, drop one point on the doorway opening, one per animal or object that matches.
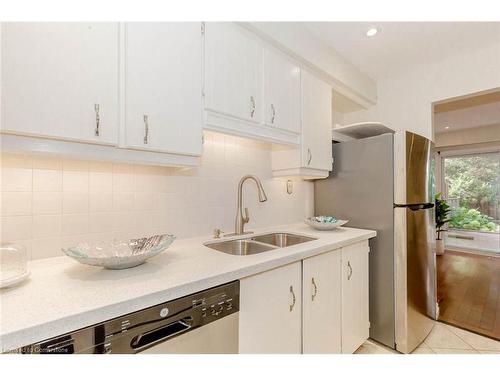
(467, 154)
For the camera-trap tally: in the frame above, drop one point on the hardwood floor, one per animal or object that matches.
(469, 292)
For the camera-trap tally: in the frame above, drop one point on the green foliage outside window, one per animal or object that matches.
(474, 180)
(471, 219)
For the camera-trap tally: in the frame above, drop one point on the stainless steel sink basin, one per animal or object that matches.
(258, 244)
(282, 239)
(240, 247)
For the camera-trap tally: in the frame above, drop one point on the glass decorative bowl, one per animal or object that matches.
(13, 264)
(325, 222)
(120, 254)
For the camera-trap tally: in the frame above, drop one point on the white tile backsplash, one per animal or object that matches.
(75, 203)
(17, 179)
(16, 203)
(46, 226)
(49, 202)
(47, 180)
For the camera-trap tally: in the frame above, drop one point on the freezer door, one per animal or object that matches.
(419, 174)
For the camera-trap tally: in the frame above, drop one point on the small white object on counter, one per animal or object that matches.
(13, 265)
(14, 280)
(62, 296)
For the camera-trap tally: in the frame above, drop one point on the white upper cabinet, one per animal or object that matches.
(321, 322)
(355, 299)
(60, 80)
(163, 87)
(314, 157)
(316, 123)
(233, 72)
(244, 95)
(281, 91)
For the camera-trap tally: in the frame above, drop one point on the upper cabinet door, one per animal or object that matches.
(316, 123)
(281, 92)
(321, 322)
(60, 80)
(163, 85)
(355, 309)
(233, 71)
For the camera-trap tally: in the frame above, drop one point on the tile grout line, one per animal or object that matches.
(461, 339)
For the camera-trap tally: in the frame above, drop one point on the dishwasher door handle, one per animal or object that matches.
(163, 333)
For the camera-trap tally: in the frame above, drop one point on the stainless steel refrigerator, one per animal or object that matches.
(385, 183)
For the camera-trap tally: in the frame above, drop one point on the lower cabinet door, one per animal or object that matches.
(355, 318)
(321, 296)
(271, 311)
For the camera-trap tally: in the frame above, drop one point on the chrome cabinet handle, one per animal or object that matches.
(97, 120)
(309, 156)
(315, 289)
(350, 270)
(252, 110)
(273, 110)
(146, 129)
(293, 298)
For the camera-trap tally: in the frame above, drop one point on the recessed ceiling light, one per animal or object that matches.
(446, 127)
(372, 32)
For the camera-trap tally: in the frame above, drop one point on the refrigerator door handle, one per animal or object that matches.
(415, 206)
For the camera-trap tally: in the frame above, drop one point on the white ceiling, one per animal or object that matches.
(400, 45)
(466, 118)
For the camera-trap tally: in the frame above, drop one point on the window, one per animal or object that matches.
(471, 184)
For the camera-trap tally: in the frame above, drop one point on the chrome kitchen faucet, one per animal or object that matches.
(242, 219)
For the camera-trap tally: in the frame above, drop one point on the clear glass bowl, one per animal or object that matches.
(319, 223)
(13, 264)
(120, 254)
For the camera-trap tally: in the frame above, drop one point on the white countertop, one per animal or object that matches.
(62, 295)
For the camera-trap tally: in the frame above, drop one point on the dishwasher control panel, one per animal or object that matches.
(143, 329)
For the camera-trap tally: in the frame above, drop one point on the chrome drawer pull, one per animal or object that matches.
(293, 298)
(146, 129)
(315, 289)
(97, 120)
(252, 110)
(350, 270)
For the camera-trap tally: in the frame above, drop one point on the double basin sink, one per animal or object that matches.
(259, 243)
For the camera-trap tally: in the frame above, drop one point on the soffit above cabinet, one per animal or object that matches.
(298, 41)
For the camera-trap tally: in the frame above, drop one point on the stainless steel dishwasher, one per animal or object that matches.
(201, 323)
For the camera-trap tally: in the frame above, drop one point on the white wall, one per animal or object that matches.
(404, 99)
(48, 202)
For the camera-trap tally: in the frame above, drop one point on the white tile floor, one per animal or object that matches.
(444, 339)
